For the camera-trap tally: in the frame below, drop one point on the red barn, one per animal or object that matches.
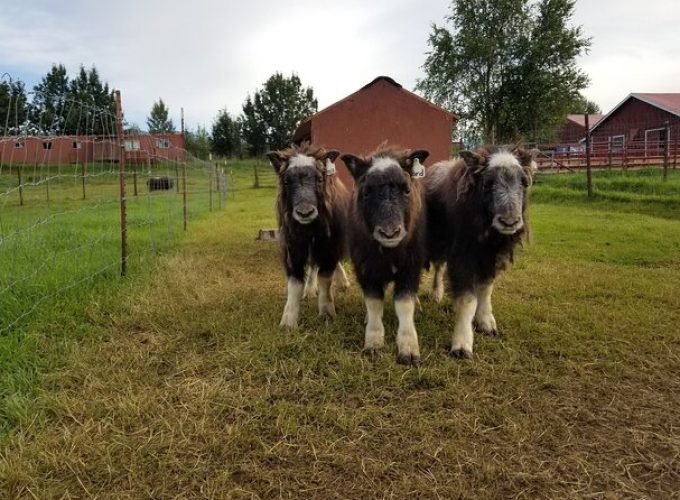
(639, 126)
(574, 128)
(380, 111)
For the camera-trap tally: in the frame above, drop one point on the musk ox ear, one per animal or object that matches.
(527, 159)
(331, 155)
(413, 163)
(276, 160)
(357, 166)
(474, 161)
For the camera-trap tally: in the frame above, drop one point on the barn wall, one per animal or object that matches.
(572, 132)
(383, 112)
(633, 118)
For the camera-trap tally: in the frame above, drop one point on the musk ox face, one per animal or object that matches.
(502, 179)
(383, 195)
(301, 183)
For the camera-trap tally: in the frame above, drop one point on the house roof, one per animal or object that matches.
(580, 119)
(669, 102)
(305, 124)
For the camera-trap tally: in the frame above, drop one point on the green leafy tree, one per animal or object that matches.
(13, 107)
(583, 105)
(90, 107)
(226, 135)
(197, 143)
(158, 121)
(270, 117)
(50, 101)
(508, 67)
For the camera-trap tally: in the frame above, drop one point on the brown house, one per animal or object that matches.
(380, 111)
(574, 128)
(90, 149)
(640, 126)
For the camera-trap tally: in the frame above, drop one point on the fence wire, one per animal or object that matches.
(60, 199)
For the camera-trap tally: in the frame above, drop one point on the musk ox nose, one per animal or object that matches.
(305, 212)
(390, 232)
(509, 220)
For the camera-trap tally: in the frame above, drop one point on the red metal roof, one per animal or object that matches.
(580, 119)
(667, 102)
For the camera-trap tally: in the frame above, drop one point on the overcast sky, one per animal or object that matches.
(205, 55)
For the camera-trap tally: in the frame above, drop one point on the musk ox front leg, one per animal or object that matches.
(375, 330)
(291, 312)
(311, 282)
(465, 305)
(407, 337)
(484, 320)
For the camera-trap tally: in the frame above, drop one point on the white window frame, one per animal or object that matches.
(47, 145)
(132, 145)
(163, 143)
(660, 129)
(77, 145)
(611, 142)
(19, 145)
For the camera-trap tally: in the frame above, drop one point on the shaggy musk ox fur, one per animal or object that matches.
(311, 209)
(476, 210)
(387, 240)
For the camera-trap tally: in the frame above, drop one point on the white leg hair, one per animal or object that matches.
(375, 330)
(292, 310)
(326, 304)
(311, 282)
(484, 320)
(463, 336)
(438, 281)
(407, 337)
(340, 277)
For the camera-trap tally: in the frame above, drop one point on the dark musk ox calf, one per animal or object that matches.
(387, 240)
(476, 217)
(312, 211)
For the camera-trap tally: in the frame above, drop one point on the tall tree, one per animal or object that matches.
(49, 104)
(158, 121)
(270, 117)
(226, 135)
(13, 107)
(90, 106)
(507, 66)
(197, 142)
(584, 105)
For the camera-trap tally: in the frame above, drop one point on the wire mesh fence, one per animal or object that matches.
(80, 200)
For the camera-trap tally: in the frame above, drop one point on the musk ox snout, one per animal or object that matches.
(508, 223)
(389, 235)
(305, 213)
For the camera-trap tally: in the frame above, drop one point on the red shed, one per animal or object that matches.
(639, 125)
(380, 111)
(574, 128)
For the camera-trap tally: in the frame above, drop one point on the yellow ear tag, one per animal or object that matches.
(330, 167)
(418, 170)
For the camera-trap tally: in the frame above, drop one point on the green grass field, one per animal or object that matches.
(177, 382)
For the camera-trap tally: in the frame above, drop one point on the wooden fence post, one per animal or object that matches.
(589, 174)
(21, 185)
(184, 194)
(83, 172)
(666, 150)
(257, 178)
(123, 195)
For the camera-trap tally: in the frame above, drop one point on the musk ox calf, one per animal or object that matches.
(476, 217)
(386, 233)
(311, 209)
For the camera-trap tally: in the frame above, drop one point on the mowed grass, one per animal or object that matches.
(191, 390)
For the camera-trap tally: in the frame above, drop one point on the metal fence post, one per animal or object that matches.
(83, 173)
(589, 174)
(666, 150)
(184, 194)
(121, 176)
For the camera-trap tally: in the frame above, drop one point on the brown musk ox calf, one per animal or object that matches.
(311, 209)
(476, 216)
(386, 234)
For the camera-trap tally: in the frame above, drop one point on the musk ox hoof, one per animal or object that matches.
(371, 352)
(408, 359)
(327, 311)
(460, 353)
(490, 331)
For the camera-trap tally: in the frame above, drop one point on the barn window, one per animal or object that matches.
(616, 142)
(131, 145)
(47, 145)
(655, 141)
(19, 145)
(162, 143)
(77, 145)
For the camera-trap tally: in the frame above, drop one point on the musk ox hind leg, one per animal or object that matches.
(375, 330)
(465, 305)
(484, 321)
(340, 277)
(326, 302)
(408, 351)
(437, 292)
(291, 311)
(311, 282)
